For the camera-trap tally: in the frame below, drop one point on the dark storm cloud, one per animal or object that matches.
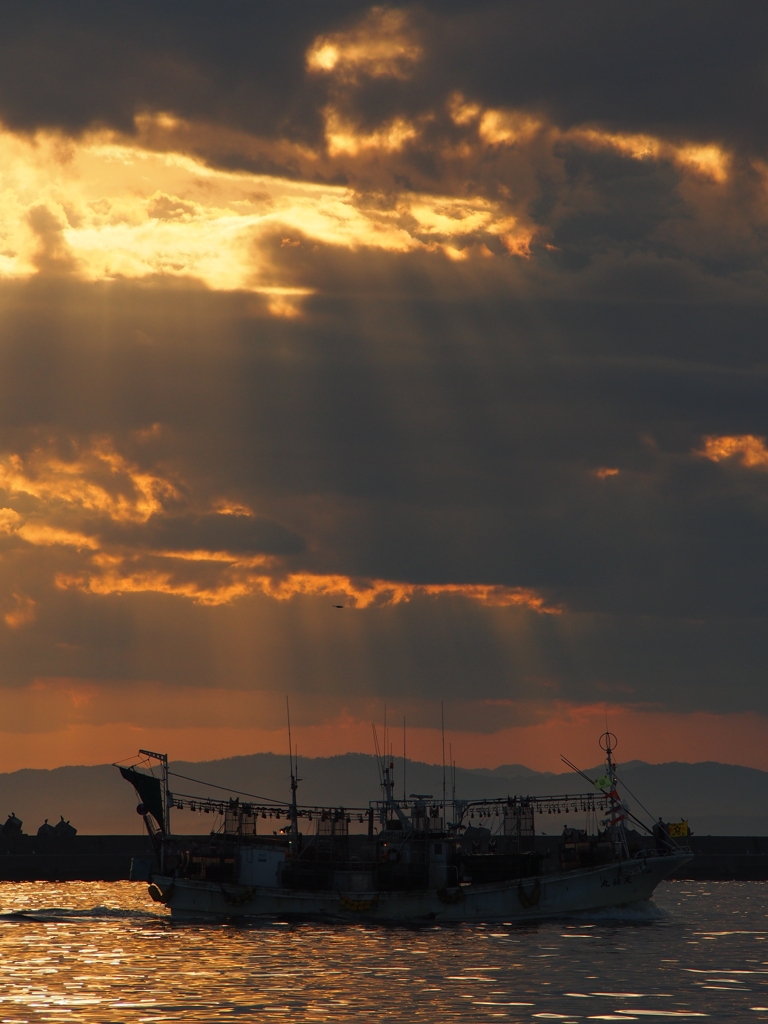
(435, 416)
(241, 63)
(240, 534)
(691, 69)
(688, 69)
(435, 442)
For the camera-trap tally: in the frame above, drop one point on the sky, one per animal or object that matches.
(383, 356)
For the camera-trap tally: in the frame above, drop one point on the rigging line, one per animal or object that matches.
(671, 842)
(143, 763)
(633, 796)
(228, 789)
(302, 807)
(629, 814)
(578, 771)
(131, 757)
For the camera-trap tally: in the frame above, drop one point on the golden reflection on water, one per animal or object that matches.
(103, 952)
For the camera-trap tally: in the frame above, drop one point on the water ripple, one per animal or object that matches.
(103, 953)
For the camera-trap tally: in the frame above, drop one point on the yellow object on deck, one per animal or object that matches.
(678, 829)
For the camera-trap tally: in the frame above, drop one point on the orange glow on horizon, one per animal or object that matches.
(656, 737)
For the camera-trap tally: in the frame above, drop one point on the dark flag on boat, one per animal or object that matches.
(150, 793)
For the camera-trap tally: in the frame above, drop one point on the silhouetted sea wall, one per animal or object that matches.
(70, 858)
(727, 858)
(716, 858)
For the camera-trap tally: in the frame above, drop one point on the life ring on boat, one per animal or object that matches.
(529, 899)
(393, 856)
(236, 899)
(446, 895)
(160, 895)
(358, 906)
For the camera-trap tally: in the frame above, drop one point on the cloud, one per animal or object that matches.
(136, 533)
(750, 451)
(96, 221)
(453, 315)
(96, 479)
(639, 70)
(382, 44)
(111, 575)
(22, 613)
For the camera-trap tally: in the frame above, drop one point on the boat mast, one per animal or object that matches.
(293, 810)
(403, 758)
(453, 783)
(618, 814)
(386, 768)
(442, 733)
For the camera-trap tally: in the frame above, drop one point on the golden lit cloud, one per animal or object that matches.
(99, 479)
(10, 520)
(225, 507)
(114, 574)
(381, 45)
(342, 137)
(462, 111)
(102, 208)
(106, 206)
(709, 161)
(40, 534)
(23, 612)
(604, 472)
(748, 449)
(500, 127)
(509, 127)
(107, 576)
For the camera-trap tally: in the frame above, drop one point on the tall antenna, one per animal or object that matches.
(294, 780)
(377, 752)
(403, 757)
(453, 781)
(442, 729)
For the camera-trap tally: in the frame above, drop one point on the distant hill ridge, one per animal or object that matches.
(718, 799)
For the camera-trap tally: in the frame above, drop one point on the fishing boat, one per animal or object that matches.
(399, 860)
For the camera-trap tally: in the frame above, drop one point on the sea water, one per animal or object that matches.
(103, 952)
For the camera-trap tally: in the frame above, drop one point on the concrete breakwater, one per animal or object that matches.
(113, 858)
(716, 858)
(727, 858)
(71, 858)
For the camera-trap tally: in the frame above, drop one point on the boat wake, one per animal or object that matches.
(645, 912)
(49, 914)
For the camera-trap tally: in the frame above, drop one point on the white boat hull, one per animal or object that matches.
(612, 885)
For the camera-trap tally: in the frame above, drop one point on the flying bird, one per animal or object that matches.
(338, 606)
